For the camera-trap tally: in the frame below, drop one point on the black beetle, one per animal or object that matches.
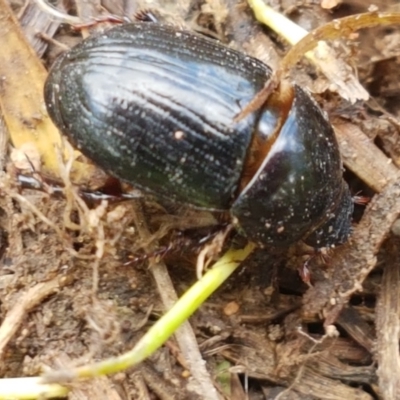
(155, 106)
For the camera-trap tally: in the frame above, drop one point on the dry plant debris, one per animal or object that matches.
(69, 297)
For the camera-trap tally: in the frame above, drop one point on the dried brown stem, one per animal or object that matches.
(353, 261)
(388, 326)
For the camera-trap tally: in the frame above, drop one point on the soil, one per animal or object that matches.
(81, 283)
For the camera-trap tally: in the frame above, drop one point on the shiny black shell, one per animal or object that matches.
(125, 97)
(155, 106)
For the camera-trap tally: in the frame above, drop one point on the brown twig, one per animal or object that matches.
(353, 261)
(388, 326)
(27, 301)
(362, 157)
